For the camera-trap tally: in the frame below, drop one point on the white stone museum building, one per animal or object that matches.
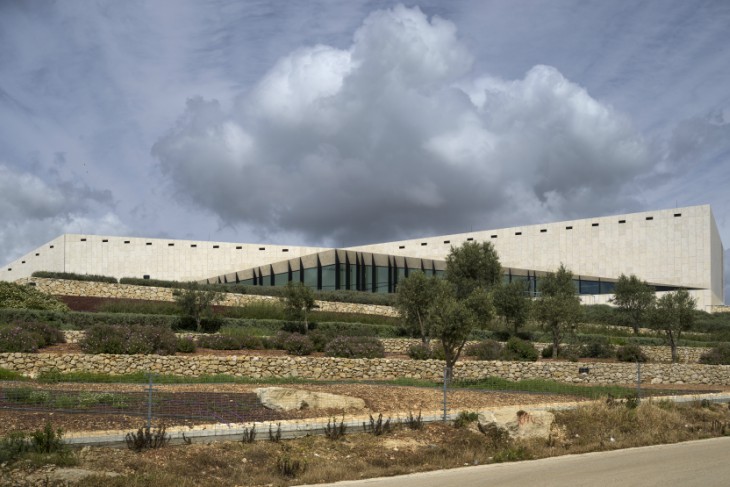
(670, 249)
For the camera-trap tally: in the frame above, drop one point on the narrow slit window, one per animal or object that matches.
(238, 247)
(262, 248)
(22, 262)
(423, 244)
(469, 239)
(50, 247)
(543, 230)
(148, 243)
(493, 236)
(126, 241)
(401, 246)
(622, 221)
(594, 224)
(677, 215)
(193, 245)
(447, 241)
(105, 240)
(171, 245)
(285, 250)
(216, 246)
(518, 233)
(37, 255)
(83, 240)
(649, 218)
(569, 228)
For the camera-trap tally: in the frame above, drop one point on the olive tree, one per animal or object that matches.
(634, 298)
(558, 306)
(196, 302)
(414, 298)
(673, 314)
(298, 300)
(473, 265)
(512, 303)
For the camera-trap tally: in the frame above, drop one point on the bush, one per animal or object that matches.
(567, 352)
(14, 339)
(516, 349)
(597, 347)
(319, 339)
(355, 347)
(631, 353)
(27, 297)
(296, 344)
(719, 355)
(74, 277)
(419, 351)
(46, 333)
(129, 340)
(186, 345)
(485, 350)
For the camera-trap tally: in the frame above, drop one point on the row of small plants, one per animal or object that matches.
(162, 341)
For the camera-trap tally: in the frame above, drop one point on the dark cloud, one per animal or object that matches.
(35, 211)
(395, 136)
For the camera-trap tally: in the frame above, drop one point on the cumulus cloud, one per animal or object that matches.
(396, 136)
(35, 211)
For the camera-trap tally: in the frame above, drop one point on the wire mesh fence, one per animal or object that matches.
(160, 400)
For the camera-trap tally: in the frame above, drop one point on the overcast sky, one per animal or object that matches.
(350, 122)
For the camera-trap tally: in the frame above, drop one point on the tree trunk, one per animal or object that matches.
(673, 346)
(556, 343)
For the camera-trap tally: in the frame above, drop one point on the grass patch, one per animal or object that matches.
(143, 378)
(6, 374)
(545, 386)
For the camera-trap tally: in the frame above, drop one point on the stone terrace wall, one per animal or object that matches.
(327, 368)
(658, 354)
(67, 287)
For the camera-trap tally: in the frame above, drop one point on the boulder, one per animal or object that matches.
(286, 399)
(520, 423)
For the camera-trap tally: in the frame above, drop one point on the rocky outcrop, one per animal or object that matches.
(287, 399)
(519, 423)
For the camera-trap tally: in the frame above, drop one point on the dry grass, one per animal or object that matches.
(598, 426)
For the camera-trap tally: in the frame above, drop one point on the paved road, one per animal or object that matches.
(704, 463)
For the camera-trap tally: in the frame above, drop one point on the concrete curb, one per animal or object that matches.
(316, 426)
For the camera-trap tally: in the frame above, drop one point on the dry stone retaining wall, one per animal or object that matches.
(328, 368)
(687, 355)
(67, 287)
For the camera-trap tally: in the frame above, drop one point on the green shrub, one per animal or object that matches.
(319, 339)
(597, 347)
(485, 350)
(419, 351)
(75, 277)
(14, 339)
(465, 418)
(719, 355)
(27, 297)
(516, 349)
(245, 338)
(565, 352)
(355, 347)
(186, 345)
(296, 344)
(129, 340)
(47, 334)
(631, 353)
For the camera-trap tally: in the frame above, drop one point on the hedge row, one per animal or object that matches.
(342, 296)
(84, 320)
(75, 277)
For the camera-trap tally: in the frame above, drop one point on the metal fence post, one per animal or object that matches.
(446, 382)
(638, 380)
(149, 402)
